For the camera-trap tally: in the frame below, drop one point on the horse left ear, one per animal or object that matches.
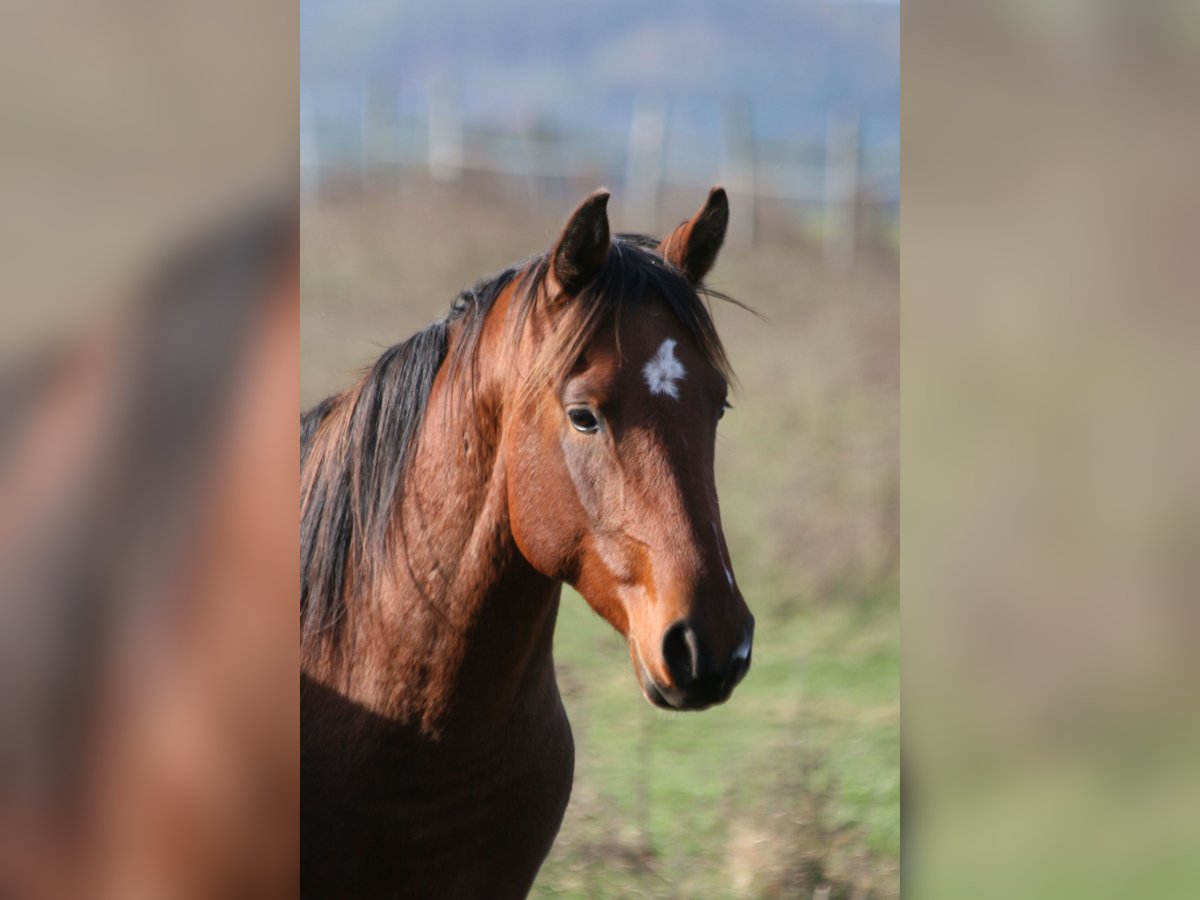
(694, 245)
(583, 245)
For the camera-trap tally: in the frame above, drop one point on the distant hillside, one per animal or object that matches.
(581, 64)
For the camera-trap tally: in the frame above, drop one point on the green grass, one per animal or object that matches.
(663, 796)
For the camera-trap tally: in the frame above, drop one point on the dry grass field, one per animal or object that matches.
(795, 783)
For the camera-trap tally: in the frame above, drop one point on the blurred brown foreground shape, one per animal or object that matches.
(148, 475)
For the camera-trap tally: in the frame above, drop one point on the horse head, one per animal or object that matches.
(619, 380)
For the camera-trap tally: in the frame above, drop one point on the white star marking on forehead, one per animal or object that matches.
(664, 370)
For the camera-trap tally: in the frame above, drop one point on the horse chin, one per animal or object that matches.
(651, 692)
(666, 698)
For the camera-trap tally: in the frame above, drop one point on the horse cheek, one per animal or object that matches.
(544, 518)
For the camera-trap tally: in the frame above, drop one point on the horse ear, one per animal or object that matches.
(581, 249)
(694, 245)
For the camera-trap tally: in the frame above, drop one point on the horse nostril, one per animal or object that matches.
(681, 652)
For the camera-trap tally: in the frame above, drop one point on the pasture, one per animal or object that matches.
(795, 783)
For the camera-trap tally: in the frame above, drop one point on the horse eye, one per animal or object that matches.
(725, 404)
(583, 420)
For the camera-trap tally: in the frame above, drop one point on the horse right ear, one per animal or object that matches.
(693, 246)
(583, 246)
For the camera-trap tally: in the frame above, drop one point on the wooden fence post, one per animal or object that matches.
(739, 173)
(644, 165)
(841, 191)
(310, 154)
(366, 137)
(445, 136)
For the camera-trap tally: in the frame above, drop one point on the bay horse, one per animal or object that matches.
(557, 426)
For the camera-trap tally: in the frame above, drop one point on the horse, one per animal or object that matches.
(556, 426)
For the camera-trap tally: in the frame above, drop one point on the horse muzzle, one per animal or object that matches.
(698, 681)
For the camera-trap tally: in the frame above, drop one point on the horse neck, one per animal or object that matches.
(456, 635)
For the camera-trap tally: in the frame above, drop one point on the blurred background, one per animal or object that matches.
(149, 350)
(794, 107)
(441, 142)
(1051, 488)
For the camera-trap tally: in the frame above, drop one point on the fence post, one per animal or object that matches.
(739, 173)
(445, 136)
(841, 191)
(310, 154)
(366, 136)
(644, 164)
